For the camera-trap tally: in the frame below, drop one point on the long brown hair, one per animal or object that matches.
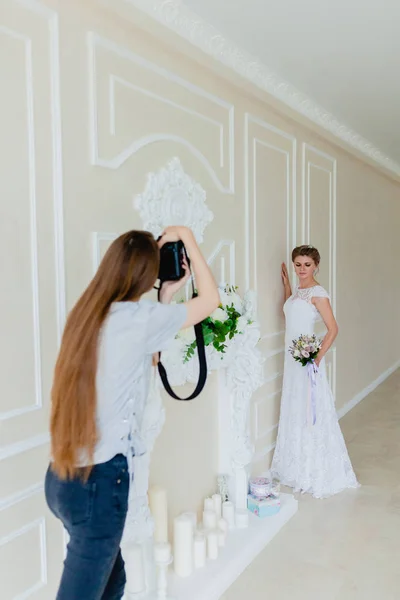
(128, 270)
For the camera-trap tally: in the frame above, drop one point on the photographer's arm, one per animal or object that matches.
(208, 296)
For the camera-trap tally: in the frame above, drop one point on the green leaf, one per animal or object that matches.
(208, 339)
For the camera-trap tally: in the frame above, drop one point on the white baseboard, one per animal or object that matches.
(366, 391)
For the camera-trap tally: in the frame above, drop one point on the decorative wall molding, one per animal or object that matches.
(252, 144)
(184, 22)
(114, 81)
(231, 245)
(97, 238)
(24, 446)
(9, 501)
(39, 524)
(172, 197)
(306, 166)
(27, 43)
(58, 188)
(52, 19)
(94, 40)
(50, 16)
(41, 9)
(250, 151)
(37, 7)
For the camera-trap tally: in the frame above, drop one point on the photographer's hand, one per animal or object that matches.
(170, 288)
(175, 233)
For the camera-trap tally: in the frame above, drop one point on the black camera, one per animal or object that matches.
(171, 261)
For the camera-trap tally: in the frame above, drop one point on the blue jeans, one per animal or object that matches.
(94, 515)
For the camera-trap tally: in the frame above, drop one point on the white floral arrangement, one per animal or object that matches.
(220, 328)
(230, 326)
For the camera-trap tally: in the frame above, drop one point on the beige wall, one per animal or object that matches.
(270, 182)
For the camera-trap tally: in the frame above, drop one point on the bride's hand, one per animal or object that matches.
(285, 275)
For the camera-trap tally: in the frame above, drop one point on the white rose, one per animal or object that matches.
(229, 298)
(219, 315)
(242, 324)
(237, 302)
(224, 297)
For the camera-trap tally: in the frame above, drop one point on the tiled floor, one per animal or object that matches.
(346, 547)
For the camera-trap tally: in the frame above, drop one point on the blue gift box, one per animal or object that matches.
(263, 507)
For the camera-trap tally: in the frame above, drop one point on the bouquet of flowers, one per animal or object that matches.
(305, 349)
(227, 321)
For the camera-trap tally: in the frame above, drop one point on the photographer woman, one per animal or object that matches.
(100, 388)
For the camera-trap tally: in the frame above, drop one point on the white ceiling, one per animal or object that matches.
(344, 54)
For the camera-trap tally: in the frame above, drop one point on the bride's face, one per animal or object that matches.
(304, 267)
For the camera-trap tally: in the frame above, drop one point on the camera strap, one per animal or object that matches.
(202, 362)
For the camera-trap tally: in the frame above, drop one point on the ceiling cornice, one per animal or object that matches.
(184, 22)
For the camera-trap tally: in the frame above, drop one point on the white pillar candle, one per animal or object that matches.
(199, 551)
(162, 553)
(162, 582)
(208, 504)
(183, 546)
(223, 525)
(193, 517)
(149, 565)
(221, 538)
(242, 519)
(135, 579)
(162, 557)
(159, 509)
(212, 545)
(228, 513)
(217, 502)
(209, 519)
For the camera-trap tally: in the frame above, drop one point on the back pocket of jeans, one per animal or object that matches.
(121, 493)
(75, 501)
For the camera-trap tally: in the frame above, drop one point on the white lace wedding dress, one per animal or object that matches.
(309, 458)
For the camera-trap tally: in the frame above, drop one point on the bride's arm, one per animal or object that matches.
(286, 282)
(324, 308)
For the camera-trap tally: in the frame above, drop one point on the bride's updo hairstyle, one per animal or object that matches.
(307, 251)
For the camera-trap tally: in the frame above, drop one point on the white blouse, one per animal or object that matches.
(131, 334)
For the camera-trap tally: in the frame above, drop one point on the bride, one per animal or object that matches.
(309, 457)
